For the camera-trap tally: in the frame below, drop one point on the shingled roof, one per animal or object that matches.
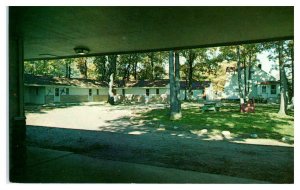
(89, 83)
(143, 83)
(48, 80)
(195, 85)
(269, 82)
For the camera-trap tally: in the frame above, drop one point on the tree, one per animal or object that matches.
(242, 100)
(249, 56)
(278, 53)
(201, 64)
(283, 80)
(112, 70)
(68, 68)
(151, 65)
(289, 53)
(190, 56)
(81, 64)
(233, 54)
(101, 68)
(112, 65)
(245, 55)
(127, 66)
(175, 108)
(44, 67)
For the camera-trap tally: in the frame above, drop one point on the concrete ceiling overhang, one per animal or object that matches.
(54, 32)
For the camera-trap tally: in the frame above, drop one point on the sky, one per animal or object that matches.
(267, 65)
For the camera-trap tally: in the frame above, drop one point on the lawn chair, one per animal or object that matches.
(248, 107)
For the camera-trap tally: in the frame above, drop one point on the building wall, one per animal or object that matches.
(49, 99)
(76, 94)
(100, 98)
(34, 94)
(73, 98)
(197, 94)
(231, 90)
(141, 91)
(267, 94)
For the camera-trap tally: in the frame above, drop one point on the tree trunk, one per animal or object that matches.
(245, 78)
(112, 59)
(110, 90)
(134, 70)
(186, 83)
(177, 82)
(69, 76)
(129, 68)
(191, 61)
(45, 68)
(292, 62)
(67, 69)
(249, 76)
(85, 69)
(104, 71)
(239, 76)
(174, 114)
(283, 85)
(152, 66)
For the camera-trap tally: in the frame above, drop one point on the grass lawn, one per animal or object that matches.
(265, 122)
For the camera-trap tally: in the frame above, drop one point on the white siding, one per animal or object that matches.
(141, 91)
(75, 90)
(231, 86)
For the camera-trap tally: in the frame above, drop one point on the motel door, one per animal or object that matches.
(90, 95)
(56, 95)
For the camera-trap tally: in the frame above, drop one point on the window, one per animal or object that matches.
(56, 91)
(37, 91)
(157, 91)
(97, 91)
(273, 89)
(123, 92)
(264, 89)
(259, 66)
(90, 92)
(147, 92)
(67, 91)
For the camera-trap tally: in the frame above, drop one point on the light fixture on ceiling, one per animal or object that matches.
(81, 50)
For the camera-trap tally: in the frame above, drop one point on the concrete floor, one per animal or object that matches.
(52, 166)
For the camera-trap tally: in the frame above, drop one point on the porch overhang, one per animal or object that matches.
(54, 32)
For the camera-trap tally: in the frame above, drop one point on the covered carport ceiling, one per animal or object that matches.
(56, 31)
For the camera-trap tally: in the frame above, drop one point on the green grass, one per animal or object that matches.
(265, 122)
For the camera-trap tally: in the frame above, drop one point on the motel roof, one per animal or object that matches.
(38, 80)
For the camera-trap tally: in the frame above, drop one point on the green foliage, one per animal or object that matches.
(45, 67)
(151, 65)
(101, 67)
(81, 64)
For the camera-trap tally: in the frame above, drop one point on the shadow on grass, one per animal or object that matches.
(265, 123)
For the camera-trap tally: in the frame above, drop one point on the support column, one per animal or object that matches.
(175, 108)
(17, 120)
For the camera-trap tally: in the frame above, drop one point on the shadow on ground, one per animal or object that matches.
(267, 163)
